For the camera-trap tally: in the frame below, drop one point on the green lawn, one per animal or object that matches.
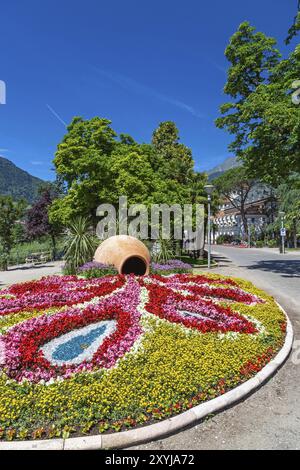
(20, 252)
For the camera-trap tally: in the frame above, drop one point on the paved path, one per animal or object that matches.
(26, 273)
(270, 418)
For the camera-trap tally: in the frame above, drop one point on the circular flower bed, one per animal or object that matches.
(84, 356)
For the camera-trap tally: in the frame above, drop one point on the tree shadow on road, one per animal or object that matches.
(287, 268)
(26, 268)
(220, 259)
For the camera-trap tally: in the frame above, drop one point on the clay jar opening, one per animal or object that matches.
(134, 265)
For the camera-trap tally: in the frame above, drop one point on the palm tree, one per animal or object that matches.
(80, 243)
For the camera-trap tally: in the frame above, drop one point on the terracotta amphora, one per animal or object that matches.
(126, 253)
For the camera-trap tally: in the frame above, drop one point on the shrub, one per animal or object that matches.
(165, 250)
(80, 243)
(272, 243)
(224, 239)
(3, 261)
(21, 251)
(171, 266)
(94, 269)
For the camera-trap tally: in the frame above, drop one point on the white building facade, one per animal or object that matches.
(260, 209)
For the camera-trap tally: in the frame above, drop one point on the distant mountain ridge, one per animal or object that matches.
(16, 182)
(230, 162)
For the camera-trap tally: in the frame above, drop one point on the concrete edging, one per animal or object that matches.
(168, 426)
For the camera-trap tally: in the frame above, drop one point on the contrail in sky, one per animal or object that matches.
(137, 87)
(56, 115)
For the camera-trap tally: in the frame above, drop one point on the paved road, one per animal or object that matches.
(276, 273)
(26, 273)
(270, 418)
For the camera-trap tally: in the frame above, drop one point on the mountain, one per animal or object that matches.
(230, 162)
(16, 182)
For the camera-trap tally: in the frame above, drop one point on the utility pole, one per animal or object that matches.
(209, 189)
(282, 232)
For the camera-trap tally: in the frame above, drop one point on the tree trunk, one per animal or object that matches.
(53, 239)
(244, 221)
(295, 233)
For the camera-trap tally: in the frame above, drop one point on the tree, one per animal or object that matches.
(82, 162)
(251, 55)
(174, 161)
(198, 195)
(273, 152)
(127, 139)
(293, 31)
(37, 219)
(166, 135)
(135, 177)
(289, 197)
(235, 186)
(10, 214)
(94, 167)
(264, 121)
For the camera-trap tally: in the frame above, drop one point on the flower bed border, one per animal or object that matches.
(168, 426)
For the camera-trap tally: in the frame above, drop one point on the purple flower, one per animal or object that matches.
(170, 264)
(93, 265)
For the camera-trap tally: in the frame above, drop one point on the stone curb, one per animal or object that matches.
(168, 426)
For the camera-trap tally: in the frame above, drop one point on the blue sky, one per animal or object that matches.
(134, 62)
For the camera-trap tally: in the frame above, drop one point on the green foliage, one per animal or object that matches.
(82, 163)
(3, 261)
(17, 183)
(23, 250)
(173, 160)
(252, 55)
(234, 180)
(235, 185)
(289, 196)
(274, 149)
(170, 271)
(165, 252)
(19, 234)
(224, 239)
(165, 136)
(272, 243)
(261, 116)
(293, 30)
(80, 243)
(10, 213)
(37, 217)
(98, 272)
(135, 177)
(96, 168)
